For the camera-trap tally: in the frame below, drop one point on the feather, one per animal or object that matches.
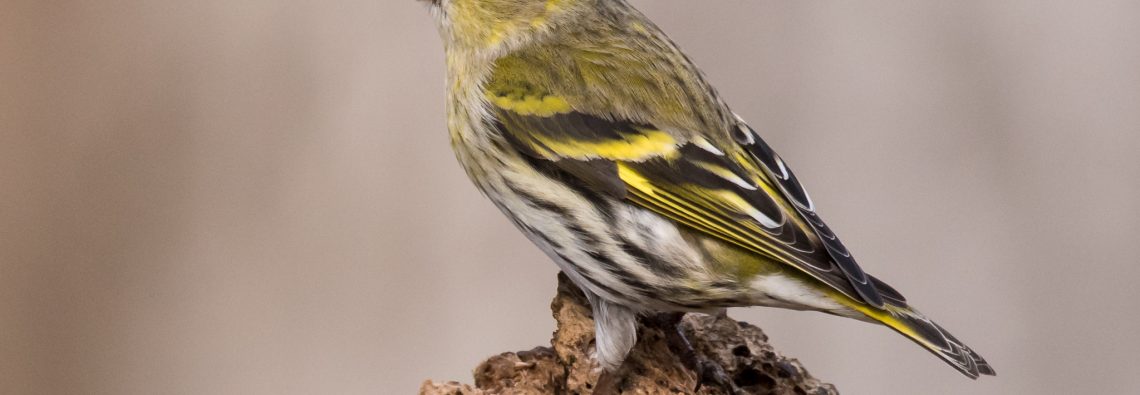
(750, 199)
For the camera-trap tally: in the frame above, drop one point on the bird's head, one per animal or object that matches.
(499, 25)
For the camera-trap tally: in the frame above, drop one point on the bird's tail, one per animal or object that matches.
(931, 336)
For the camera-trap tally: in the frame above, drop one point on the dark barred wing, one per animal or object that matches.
(869, 289)
(741, 193)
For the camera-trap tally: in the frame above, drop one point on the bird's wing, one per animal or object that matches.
(739, 191)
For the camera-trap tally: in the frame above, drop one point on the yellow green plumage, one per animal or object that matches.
(606, 146)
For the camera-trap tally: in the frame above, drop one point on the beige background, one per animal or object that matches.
(258, 197)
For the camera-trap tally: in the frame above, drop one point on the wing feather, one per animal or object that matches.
(795, 192)
(742, 192)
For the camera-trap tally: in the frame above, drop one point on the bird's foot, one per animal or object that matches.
(709, 373)
(713, 375)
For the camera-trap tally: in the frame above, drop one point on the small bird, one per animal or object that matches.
(607, 147)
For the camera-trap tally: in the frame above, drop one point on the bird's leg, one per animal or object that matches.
(607, 384)
(708, 372)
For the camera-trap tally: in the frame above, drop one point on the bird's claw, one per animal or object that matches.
(710, 374)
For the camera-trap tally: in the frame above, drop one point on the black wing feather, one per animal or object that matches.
(826, 259)
(791, 187)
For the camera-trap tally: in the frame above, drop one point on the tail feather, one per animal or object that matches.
(909, 322)
(933, 338)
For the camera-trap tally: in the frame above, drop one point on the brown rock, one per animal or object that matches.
(741, 349)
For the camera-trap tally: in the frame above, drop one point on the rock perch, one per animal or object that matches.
(651, 368)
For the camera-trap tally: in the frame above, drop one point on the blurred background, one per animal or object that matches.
(259, 197)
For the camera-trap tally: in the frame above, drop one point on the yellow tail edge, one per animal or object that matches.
(931, 336)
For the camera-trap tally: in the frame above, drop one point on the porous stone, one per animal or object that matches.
(565, 367)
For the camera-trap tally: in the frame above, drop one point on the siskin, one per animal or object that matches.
(592, 132)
